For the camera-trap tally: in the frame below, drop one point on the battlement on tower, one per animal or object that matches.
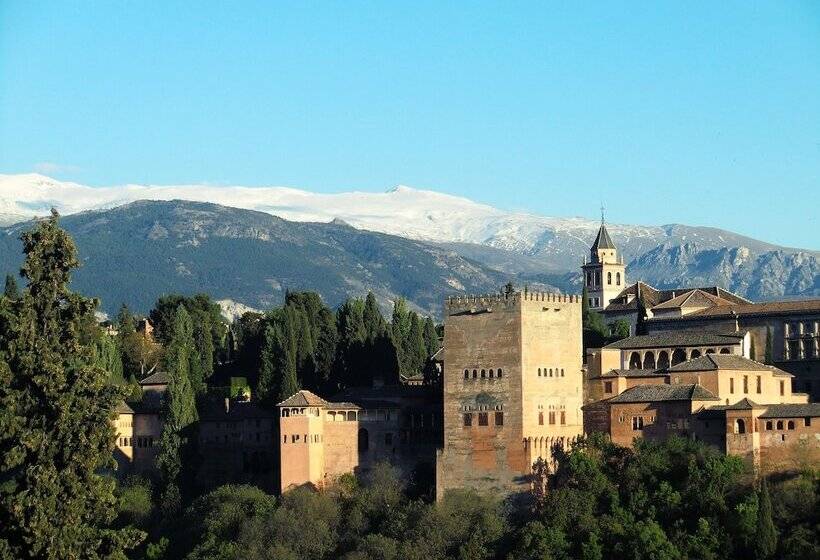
(486, 302)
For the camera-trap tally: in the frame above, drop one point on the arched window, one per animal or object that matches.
(466, 374)
(694, 354)
(649, 360)
(351, 415)
(634, 361)
(475, 374)
(710, 350)
(725, 351)
(483, 373)
(562, 372)
(492, 374)
(780, 424)
(539, 372)
(740, 426)
(678, 356)
(790, 425)
(768, 424)
(364, 440)
(331, 416)
(550, 372)
(609, 278)
(500, 372)
(663, 359)
(618, 278)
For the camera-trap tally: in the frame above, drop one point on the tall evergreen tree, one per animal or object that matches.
(415, 350)
(374, 323)
(765, 537)
(277, 377)
(56, 410)
(768, 357)
(179, 412)
(107, 356)
(326, 341)
(430, 337)
(11, 291)
(400, 330)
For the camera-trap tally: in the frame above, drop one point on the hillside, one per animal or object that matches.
(136, 252)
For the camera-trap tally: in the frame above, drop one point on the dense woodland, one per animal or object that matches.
(62, 376)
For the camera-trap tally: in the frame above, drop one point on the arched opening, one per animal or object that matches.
(351, 416)
(618, 278)
(780, 424)
(740, 426)
(500, 372)
(492, 373)
(285, 413)
(635, 361)
(331, 416)
(649, 360)
(725, 351)
(663, 359)
(483, 373)
(678, 356)
(475, 374)
(539, 372)
(710, 350)
(466, 374)
(694, 354)
(790, 425)
(364, 440)
(609, 278)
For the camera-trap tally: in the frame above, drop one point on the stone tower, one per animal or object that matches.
(604, 273)
(512, 387)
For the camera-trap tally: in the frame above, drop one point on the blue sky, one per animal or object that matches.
(699, 113)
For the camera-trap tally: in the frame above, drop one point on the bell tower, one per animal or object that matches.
(604, 272)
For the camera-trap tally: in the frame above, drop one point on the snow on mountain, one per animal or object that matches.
(405, 211)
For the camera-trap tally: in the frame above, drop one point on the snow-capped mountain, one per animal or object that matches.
(543, 249)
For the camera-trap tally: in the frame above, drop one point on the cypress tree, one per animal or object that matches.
(768, 356)
(326, 342)
(179, 408)
(107, 356)
(430, 337)
(373, 321)
(56, 411)
(416, 350)
(765, 537)
(11, 291)
(400, 330)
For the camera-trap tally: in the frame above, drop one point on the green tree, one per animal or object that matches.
(56, 407)
(179, 411)
(277, 377)
(374, 323)
(430, 337)
(415, 349)
(107, 356)
(765, 537)
(768, 357)
(11, 291)
(400, 330)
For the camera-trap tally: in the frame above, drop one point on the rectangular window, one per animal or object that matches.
(563, 418)
(637, 422)
(540, 418)
(731, 384)
(607, 386)
(482, 419)
(759, 384)
(745, 384)
(468, 419)
(499, 418)
(807, 421)
(782, 388)
(552, 418)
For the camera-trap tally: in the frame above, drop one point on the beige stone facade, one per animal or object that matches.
(512, 387)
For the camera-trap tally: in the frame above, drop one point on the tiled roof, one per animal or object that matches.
(159, 377)
(766, 308)
(602, 240)
(712, 362)
(123, 408)
(694, 298)
(652, 297)
(677, 338)
(744, 404)
(792, 410)
(633, 373)
(142, 407)
(303, 398)
(652, 393)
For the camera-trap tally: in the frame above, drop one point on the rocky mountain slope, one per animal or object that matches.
(535, 248)
(138, 251)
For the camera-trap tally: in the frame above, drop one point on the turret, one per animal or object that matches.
(605, 273)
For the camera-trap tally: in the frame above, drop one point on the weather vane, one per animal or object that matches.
(602, 212)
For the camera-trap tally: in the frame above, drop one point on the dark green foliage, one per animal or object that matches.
(619, 329)
(56, 407)
(179, 409)
(107, 357)
(431, 344)
(769, 356)
(765, 542)
(11, 291)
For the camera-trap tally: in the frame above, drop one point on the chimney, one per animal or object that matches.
(227, 405)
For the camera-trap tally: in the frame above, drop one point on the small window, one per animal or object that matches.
(466, 374)
(782, 388)
(483, 373)
(482, 419)
(563, 418)
(768, 424)
(550, 372)
(552, 418)
(492, 374)
(539, 372)
(499, 418)
(731, 384)
(745, 384)
(790, 425)
(540, 418)
(637, 422)
(562, 372)
(607, 386)
(499, 372)
(468, 420)
(759, 385)
(807, 421)
(780, 424)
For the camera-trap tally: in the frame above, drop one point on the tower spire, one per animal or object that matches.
(602, 213)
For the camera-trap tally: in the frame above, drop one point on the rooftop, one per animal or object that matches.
(159, 377)
(603, 240)
(792, 410)
(809, 306)
(712, 362)
(678, 338)
(653, 393)
(303, 398)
